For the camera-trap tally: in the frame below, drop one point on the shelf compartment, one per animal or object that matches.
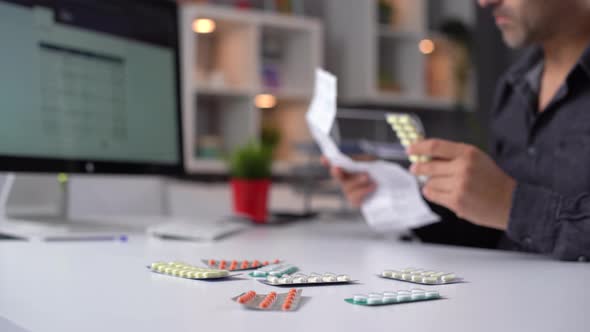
(400, 68)
(222, 124)
(283, 65)
(216, 64)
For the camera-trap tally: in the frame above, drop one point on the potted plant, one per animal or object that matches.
(250, 169)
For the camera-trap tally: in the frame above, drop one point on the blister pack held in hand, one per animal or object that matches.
(409, 130)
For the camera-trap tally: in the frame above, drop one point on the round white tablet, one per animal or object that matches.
(416, 278)
(343, 278)
(432, 294)
(375, 298)
(430, 280)
(359, 298)
(329, 278)
(403, 296)
(300, 280)
(285, 280)
(447, 277)
(418, 294)
(314, 279)
(389, 297)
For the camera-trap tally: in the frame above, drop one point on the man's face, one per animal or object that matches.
(524, 22)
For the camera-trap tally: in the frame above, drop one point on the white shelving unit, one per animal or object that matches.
(223, 74)
(367, 49)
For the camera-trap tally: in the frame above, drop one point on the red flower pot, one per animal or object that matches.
(250, 198)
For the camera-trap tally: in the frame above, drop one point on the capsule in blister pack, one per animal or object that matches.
(313, 279)
(394, 297)
(270, 302)
(237, 265)
(421, 276)
(276, 270)
(186, 271)
(409, 129)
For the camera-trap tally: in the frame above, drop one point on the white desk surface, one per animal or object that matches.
(63, 287)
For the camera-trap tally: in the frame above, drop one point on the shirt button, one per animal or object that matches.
(528, 241)
(582, 259)
(532, 151)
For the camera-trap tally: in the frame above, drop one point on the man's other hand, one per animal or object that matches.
(355, 186)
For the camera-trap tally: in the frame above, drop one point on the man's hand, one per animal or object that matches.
(465, 180)
(355, 186)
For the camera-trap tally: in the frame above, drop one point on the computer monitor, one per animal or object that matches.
(86, 86)
(89, 86)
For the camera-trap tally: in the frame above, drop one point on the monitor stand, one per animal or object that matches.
(53, 223)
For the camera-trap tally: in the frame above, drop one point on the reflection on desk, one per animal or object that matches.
(7, 326)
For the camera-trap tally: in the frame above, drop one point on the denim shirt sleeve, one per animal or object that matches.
(546, 222)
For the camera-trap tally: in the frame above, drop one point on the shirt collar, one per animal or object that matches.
(585, 61)
(532, 57)
(532, 61)
(533, 76)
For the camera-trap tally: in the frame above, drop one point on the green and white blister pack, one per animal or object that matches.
(393, 297)
(275, 270)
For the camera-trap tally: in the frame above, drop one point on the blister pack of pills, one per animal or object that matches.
(275, 270)
(270, 302)
(186, 271)
(237, 265)
(409, 129)
(313, 279)
(394, 297)
(421, 276)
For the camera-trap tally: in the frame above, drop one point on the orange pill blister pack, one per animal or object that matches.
(238, 265)
(272, 301)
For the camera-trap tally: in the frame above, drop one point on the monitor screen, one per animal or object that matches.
(89, 86)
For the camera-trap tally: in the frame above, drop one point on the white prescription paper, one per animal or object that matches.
(396, 204)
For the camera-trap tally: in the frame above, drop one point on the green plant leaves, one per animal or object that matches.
(251, 161)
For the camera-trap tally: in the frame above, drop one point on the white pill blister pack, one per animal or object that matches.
(187, 271)
(313, 279)
(275, 270)
(394, 297)
(421, 276)
(270, 302)
(409, 130)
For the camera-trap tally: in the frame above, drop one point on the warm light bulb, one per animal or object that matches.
(426, 46)
(265, 101)
(203, 25)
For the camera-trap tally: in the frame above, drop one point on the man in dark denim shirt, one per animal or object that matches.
(535, 187)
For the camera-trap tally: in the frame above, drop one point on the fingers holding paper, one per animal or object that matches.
(355, 186)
